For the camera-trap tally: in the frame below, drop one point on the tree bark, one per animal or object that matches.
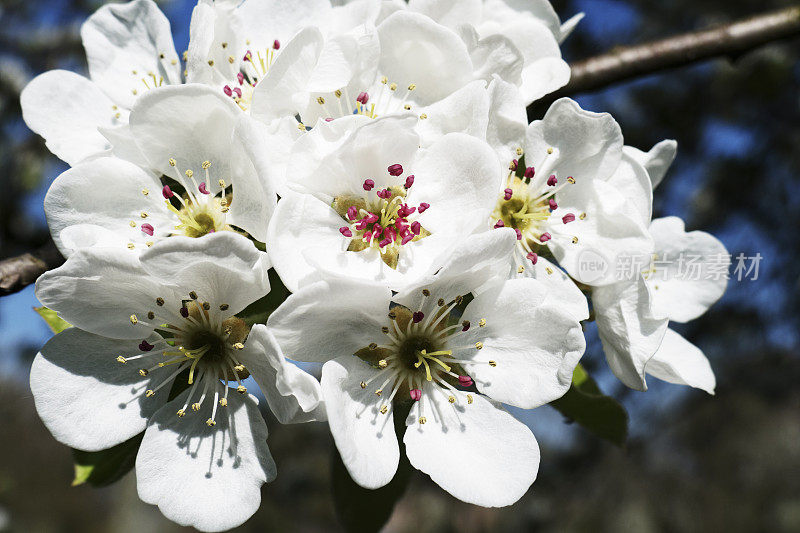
(16, 273)
(730, 40)
(625, 63)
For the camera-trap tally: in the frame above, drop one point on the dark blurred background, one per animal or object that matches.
(693, 462)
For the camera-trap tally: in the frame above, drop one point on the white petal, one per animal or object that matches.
(206, 477)
(222, 268)
(330, 319)
(284, 89)
(561, 289)
(679, 361)
(632, 182)
(123, 144)
(85, 397)
(507, 119)
(657, 161)
(448, 13)
(254, 199)
(492, 55)
(66, 109)
(266, 20)
(293, 395)
(459, 177)
(586, 145)
(207, 60)
(365, 437)
(464, 111)
(342, 166)
(628, 330)
(477, 452)
(536, 345)
(124, 45)
(685, 287)
(414, 49)
(477, 260)
(107, 192)
(99, 289)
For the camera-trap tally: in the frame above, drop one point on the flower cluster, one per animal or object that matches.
(378, 157)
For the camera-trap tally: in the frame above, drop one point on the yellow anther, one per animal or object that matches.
(373, 346)
(231, 59)
(135, 92)
(222, 183)
(172, 162)
(482, 322)
(465, 324)
(143, 214)
(423, 116)
(412, 86)
(185, 55)
(210, 62)
(195, 407)
(582, 216)
(492, 363)
(206, 165)
(225, 209)
(131, 246)
(238, 346)
(239, 368)
(426, 292)
(392, 315)
(223, 402)
(520, 269)
(575, 240)
(549, 151)
(189, 173)
(145, 192)
(384, 409)
(548, 270)
(384, 80)
(224, 45)
(321, 100)
(379, 392)
(181, 413)
(520, 151)
(132, 223)
(150, 393)
(479, 345)
(407, 107)
(338, 93)
(469, 398)
(206, 306)
(441, 302)
(571, 180)
(224, 307)
(363, 385)
(301, 126)
(193, 295)
(241, 389)
(121, 359)
(451, 399)
(210, 423)
(134, 319)
(382, 363)
(159, 301)
(393, 87)
(150, 315)
(422, 420)
(143, 372)
(385, 330)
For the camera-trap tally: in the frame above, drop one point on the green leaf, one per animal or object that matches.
(56, 323)
(362, 510)
(258, 311)
(586, 405)
(103, 468)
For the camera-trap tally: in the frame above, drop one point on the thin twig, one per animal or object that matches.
(625, 63)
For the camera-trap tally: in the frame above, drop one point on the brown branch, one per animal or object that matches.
(16, 273)
(730, 40)
(625, 63)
